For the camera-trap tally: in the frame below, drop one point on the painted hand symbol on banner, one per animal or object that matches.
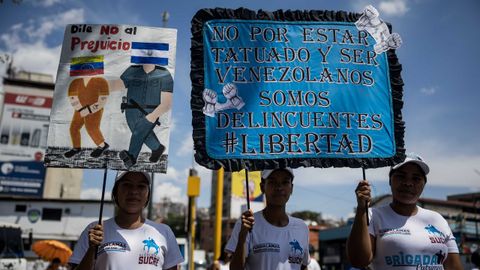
(393, 41)
(212, 105)
(210, 99)
(378, 29)
(369, 14)
(230, 91)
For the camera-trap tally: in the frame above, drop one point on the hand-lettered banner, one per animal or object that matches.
(112, 98)
(292, 88)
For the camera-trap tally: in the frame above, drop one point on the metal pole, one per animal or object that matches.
(191, 262)
(247, 187)
(366, 203)
(150, 201)
(101, 202)
(218, 215)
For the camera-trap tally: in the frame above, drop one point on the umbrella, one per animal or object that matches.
(51, 249)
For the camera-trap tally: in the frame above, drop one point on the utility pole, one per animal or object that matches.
(193, 191)
(218, 215)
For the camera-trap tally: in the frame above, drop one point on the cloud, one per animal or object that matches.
(455, 170)
(174, 184)
(428, 91)
(94, 194)
(172, 175)
(37, 58)
(39, 29)
(186, 147)
(28, 41)
(322, 176)
(170, 191)
(359, 5)
(393, 8)
(446, 170)
(46, 3)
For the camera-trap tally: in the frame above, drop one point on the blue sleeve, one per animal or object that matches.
(173, 256)
(232, 242)
(81, 246)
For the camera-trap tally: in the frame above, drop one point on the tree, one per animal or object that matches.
(308, 215)
(176, 223)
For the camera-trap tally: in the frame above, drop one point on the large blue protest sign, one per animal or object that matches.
(309, 92)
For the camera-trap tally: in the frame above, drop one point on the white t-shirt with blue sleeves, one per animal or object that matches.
(422, 241)
(151, 246)
(271, 247)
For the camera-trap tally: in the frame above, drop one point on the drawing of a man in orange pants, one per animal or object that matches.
(87, 96)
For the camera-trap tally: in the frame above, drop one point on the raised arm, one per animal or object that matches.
(95, 238)
(239, 256)
(360, 244)
(453, 262)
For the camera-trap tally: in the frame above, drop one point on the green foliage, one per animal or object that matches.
(177, 224)
(308, 215)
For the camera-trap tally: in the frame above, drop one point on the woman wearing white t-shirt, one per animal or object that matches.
(270, 239)
(128, 240)
(402, 235)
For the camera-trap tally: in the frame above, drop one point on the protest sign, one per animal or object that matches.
(296, 88)
(112, 98)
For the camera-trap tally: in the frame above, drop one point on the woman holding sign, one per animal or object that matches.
(402, 235)
(270, 239)
(128, 240)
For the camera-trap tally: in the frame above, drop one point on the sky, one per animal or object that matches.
(439, 54)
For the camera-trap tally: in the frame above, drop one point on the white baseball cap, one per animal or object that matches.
(414, 158)
(267, 173)
(121, 174)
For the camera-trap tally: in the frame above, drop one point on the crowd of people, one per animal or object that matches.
(400, 235)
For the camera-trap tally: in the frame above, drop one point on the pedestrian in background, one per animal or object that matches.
(313, 265)
(54, 264)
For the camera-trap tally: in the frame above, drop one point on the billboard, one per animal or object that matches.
(23, 140)
(22, 178)
(24, 125)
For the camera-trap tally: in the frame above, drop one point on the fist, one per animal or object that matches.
(371, 12)
(247, 220)
(210, 99)
(209, 96)
(84, 112)
(363, 193)
(394, 41)
(95, 235)
(229, 90)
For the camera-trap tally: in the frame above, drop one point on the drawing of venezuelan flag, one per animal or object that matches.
(149, 53)
(86, 65)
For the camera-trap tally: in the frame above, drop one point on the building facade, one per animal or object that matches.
(42, 219)
(26, 100)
